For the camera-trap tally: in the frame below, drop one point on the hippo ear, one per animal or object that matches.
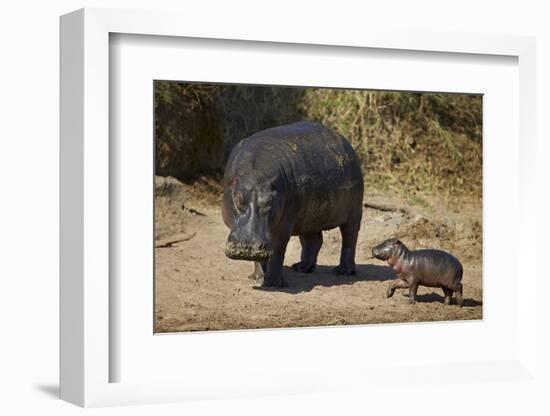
(234, 183)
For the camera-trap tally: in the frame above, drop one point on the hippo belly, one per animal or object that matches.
(325, 214)
(298, 179)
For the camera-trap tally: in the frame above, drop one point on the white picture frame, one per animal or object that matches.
(85, 356)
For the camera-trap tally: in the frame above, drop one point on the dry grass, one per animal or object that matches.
(414, 144)
(410, 142)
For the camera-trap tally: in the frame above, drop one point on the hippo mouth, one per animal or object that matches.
(379, 253)
(379, 256)
(257, 252)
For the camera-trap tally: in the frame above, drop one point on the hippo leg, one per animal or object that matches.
(394, 284)
(458, 294)
(347, 255)
(273, 276)
(413, 288)
(448, 295)
(259, 270)
(311, 244)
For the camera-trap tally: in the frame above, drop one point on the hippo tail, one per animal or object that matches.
(460, 272)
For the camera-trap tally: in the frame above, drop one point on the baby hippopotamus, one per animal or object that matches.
(432, 268)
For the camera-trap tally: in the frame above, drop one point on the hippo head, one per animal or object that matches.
(256, 207)
(387, 249)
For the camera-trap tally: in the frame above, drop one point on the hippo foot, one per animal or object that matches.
(302, 267)
(272, 283)
(390, 292)
(344, 269)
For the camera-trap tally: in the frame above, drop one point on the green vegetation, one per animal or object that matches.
(408, 142)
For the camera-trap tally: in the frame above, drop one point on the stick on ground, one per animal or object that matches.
(169, 244)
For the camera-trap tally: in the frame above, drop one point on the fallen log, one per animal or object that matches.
(386, 207)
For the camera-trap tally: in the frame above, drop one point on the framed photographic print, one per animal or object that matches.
(273, 213)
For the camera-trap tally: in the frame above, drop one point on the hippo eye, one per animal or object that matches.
(239, 201)
(265, 203)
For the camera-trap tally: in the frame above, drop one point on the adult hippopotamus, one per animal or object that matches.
(432, 268)
(296, 179)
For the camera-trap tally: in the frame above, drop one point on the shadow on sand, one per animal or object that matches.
(435, 297)
(323, 276)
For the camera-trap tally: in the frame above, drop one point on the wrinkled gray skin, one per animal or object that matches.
(298, 179)
(432, 268)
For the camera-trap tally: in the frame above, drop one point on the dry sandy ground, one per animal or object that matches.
(197, 288)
